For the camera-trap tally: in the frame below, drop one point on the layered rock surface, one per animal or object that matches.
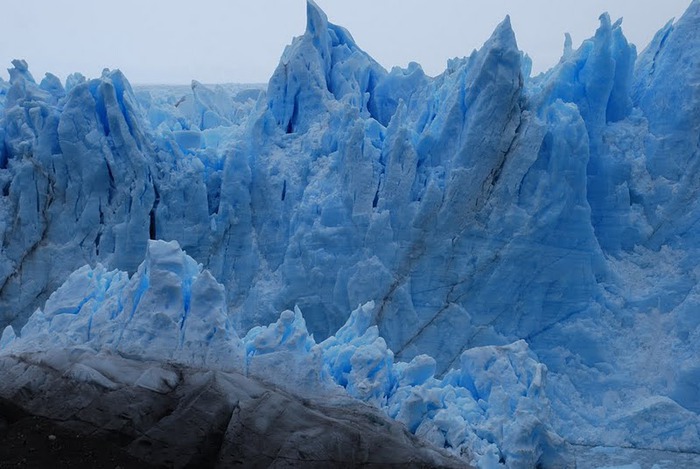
(172, 416)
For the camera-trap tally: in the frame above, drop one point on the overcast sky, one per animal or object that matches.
(217, 41)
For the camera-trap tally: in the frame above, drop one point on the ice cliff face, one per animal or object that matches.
(170, 311)
(474, 209)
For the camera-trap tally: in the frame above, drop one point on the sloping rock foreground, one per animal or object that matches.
(172, 416)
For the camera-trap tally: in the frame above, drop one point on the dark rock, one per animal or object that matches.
(201, 419)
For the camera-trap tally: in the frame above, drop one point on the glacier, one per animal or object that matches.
(506, 264)
(172, 311)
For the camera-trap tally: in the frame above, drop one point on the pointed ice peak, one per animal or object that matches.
(288, 333)
(506, 22)
(52, 84)
(73, 80)
(568, 45)
(503, 36)
(167, 256)
(20, 70)
(504, 28)
(692, 14)
(116, 78)
(317, 31)
(8, 335)
(357, 324)
(605, 25)
(20, 65)
(501, 47)
(617, 23)
(316, 19)
(694, 8)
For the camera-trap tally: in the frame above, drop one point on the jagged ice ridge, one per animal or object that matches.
(526, 246)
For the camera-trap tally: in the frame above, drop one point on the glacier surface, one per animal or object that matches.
(523, 250)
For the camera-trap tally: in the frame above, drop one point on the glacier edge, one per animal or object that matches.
(476, 209)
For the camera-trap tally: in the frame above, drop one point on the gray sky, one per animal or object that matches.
(216, 41)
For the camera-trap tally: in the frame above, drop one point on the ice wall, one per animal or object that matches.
(171, 311)
(476, 208)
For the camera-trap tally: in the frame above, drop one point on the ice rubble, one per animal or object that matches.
(493, 408)
(476, 209)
